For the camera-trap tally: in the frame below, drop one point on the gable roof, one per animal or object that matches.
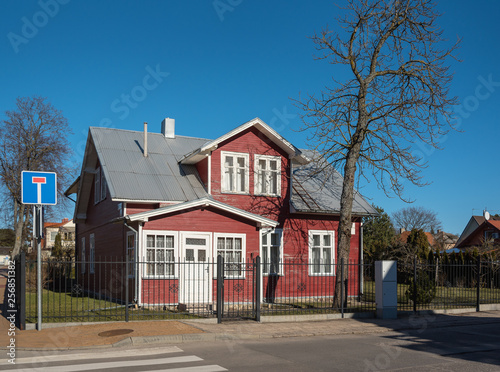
(291, 150)
(204, 202)
(167, 174)
(474, 223)
(479, 230)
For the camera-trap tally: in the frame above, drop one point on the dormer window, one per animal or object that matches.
(234, 172)
(267, 175)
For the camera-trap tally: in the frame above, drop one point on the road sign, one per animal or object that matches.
(39, 188)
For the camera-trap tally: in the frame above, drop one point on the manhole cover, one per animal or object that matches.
(115, 332)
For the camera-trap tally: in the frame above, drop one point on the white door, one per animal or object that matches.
(195, 285)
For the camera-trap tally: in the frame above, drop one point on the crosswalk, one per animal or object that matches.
(169, 358)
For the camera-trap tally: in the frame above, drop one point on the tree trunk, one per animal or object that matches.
(344, 231)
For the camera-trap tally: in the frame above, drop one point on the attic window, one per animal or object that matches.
(267, 175)
(234, 172)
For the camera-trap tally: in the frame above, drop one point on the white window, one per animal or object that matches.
(234, 172)
(321, 252)
(83, 255)
(92, 254)
(97, 186)
(267, 175)
(131, 253)
(232, 248)
(272, 251)
(160, 254)
(53, 235)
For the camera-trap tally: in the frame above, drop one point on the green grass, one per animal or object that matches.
(63, 307)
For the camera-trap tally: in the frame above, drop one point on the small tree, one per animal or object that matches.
(418, 243)
(57, 250)
(378, 235)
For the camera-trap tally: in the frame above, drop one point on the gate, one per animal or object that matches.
(238, 289)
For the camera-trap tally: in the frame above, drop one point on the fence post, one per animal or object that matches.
(415, 285)
(220, 287)
(258, 279)
(342, 286)
(20, 274)
(126, 287)
(478, 299)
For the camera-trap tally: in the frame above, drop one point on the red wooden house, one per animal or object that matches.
(161, 199)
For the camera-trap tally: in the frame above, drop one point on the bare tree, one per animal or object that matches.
(416, 218)
(33, 137)
(397, 95)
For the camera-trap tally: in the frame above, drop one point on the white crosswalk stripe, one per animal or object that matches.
(116, 359)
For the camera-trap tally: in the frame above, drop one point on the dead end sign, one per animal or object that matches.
(39, 188)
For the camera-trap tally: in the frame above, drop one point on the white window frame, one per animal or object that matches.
(83, 263)
(228, 273)
(321, 248)
(257, 171)
(156, 233)
(97, 185)
(265, 246)
(246, 168)
(92, 254)
(131, 255)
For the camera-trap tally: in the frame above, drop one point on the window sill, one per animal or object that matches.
(269, 195)
(235, 192)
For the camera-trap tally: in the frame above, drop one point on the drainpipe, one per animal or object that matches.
(136, 279)
(361, 258)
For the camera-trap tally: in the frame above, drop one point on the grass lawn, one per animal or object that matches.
(63, 307)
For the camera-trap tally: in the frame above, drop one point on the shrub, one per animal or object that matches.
(426, 289)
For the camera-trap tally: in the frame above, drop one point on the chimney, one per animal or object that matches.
(64, 220)
(168, 128)
(145, 139)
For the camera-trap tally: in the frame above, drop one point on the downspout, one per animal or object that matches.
(136, 246)
(361, 258)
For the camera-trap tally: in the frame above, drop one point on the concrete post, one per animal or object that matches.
(386, 289)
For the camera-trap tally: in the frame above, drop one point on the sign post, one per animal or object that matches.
(38, 188)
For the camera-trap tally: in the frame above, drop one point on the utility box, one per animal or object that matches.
(386, 289)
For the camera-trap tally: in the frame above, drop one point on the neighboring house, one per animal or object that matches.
(403, 237)
(487, 232)
(161, 198)
(66, 228)
(444, 241)
(472, 225)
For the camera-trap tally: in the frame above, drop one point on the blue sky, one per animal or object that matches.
(213, 65)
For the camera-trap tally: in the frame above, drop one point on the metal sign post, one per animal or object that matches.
(39, 188)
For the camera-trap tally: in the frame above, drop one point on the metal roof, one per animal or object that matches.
(160, 177)
(317, 188)
(157, 177)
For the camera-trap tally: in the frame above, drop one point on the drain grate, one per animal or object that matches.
(115, 332)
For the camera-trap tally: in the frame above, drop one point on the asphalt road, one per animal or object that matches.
(463, 348)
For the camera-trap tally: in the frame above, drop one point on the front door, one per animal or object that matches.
(195, 285)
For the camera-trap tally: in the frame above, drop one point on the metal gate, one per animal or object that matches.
(238, 289)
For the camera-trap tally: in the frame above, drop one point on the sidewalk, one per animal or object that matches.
(148, 332)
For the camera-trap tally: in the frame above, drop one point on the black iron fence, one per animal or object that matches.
(448, 285)
(113, 289)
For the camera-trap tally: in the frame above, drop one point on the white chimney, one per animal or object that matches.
(168, 128)
(145, 139)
